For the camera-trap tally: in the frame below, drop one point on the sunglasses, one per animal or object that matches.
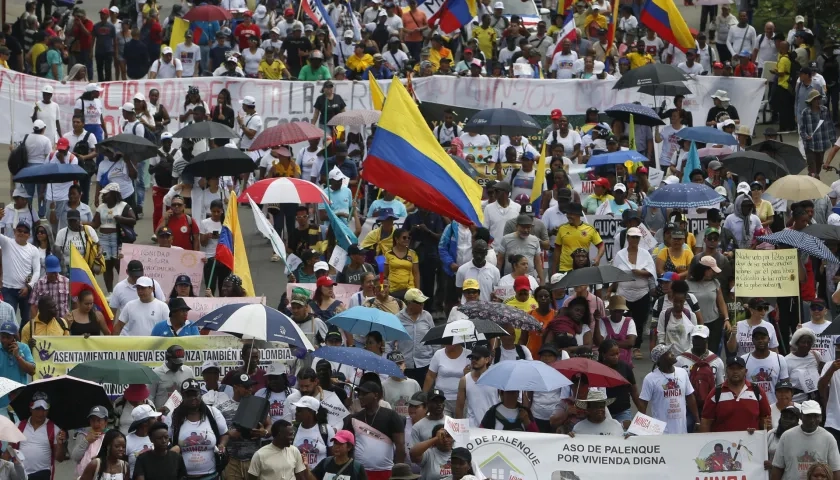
(818, 308)
(471, 292)
(762, 308)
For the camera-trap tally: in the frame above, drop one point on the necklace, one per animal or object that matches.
(370, 422)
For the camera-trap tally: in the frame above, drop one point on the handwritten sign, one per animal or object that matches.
(201, 306)
(165, 264)
(645, 425)
(342, 291)
(335, 411)
(766, 273)
(458, 429)
(174, 400)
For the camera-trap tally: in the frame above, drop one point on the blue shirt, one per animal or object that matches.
(164, 329)
(10, 369)
(396, 205)
(54, 58)
(339, 200)
(208, 32)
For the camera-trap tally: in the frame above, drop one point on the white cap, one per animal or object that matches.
(620, 186)
(20, 191)
(557, 277)
(40, 404)
(128, 107)
(165, 136)
(210, 364)
(308, 402)
(337, 174)
(799, 19)
(348, 34)
(835, 189)
(249, 101)
(93, 87)
(166, 50)
(382, 13)
(596, 8)
(277, 30)
(700, 331)
(598, 67)
(721, 191)
(39, 125)
(140, 96)
(743, 187)
(726, 123)
(634, 232)
(47, 89)
(115, 9)
(810, 407)
(671, 180)
(499, 6)
(143, 412)
(144, 282)
(277, 368)
(322, 265)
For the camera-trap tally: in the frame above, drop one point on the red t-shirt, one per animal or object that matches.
(180, 232)
(156, 33)
(748, 71)
(243, 32)
(83, 35)
(736, 414)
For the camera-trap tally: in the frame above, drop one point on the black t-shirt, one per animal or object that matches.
(333, 107)
(353, 471)
(717, 113)
(291, 46)
(16, 50)
(385, 420)
(300, 240)
(136, 59)
(217, 56)
(156, 467)
(621, 394)
(424, 243)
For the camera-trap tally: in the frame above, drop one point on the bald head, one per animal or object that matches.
(769, 28)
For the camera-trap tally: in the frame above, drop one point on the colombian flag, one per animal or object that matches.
(663, 17)
(231, 248)
(377, 98)
(81, 278)
(406, 160)
(453, 14)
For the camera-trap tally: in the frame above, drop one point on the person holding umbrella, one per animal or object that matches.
(39, 465)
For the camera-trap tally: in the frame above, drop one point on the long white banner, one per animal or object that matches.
(284, 101)
(539, 456)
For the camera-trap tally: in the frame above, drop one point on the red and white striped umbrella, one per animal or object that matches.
(284, 190)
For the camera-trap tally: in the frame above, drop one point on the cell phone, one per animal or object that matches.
(2, 205)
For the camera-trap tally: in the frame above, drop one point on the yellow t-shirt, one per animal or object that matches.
(382, 244)
(293, 170)
(691, 240)
(436, 55)
(55, 328)
(681, 263)
(147, 8)
(764, 210)
(401, 270)
(36, 50)
(639, 59)
(486, 39)
(273, 71)
(570, 238)
(783, 70)
(4, 64)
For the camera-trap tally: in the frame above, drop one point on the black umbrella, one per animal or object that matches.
(642, 115)
(219, 162)
(68, 411)
(206, 130)
(833, 328)
(51, 173)
(463, 331)
(824, 231)
(465, 166)
(787, 155)
(747, 164)
(131, 146)
(498, 121)
(665, 89)
(651, 74)
(593, 275)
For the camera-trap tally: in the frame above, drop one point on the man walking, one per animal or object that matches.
(816, 129)
(800, 448)
(737, 404)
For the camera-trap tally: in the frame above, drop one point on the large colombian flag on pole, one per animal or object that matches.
(406, 160)
(231, 248)
(81, 278)
(663, 17)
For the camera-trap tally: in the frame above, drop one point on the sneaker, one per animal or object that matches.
(154, 238)
(275, 258)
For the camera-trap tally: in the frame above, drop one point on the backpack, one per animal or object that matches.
(702, 376)
(454, 132)
(831, 69)
(756, 391)
(19, 157)
(515, 426)
(83, 148)
(42, 65)
(795, 67)
(520, 354)
(147, 134)
(221, 458)
(50, 439)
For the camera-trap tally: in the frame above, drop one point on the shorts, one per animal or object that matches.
(109, 245)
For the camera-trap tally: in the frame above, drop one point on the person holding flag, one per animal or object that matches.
(230, 251)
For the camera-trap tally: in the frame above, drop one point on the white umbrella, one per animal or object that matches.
(7, 386)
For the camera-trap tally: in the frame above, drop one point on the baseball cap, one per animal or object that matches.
(9, 328)
(556, 114)
(288, 12)
(93, 87)
(51, 264)
(166, 51)
(461, 453)
(322, 265)
(784, 384)
(115, 9)
(386, 214)
(415, 295)
(40, 125)
(759, 331)
(503, 185)
(620, 186)
(355, 250)
(472, 284)
(308, 402)
(524, 219)
(709, 261)
(248, 101)
(241, 380)
(190, 385)
(164, 232)
(418, 398)
(344, 436)
(711, 231)
(134, 267)
(209, 365)
(183, 280)
(522, 283)
(348, 34)
(141, 413)
(369, 387)
(669, 277)
(479, 351)
(136, 393)
(435, 394)
(736, 361)
(700, 331)
(799, 19)
(634, 232)
(175, 354)
(325, 281)
(810, 407)
(144, 282)
(715, 165)
(99, 412)
(549, 348)
(128, 107)
(300, 296)
(47, 89)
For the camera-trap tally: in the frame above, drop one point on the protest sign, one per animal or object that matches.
(766, 273)
(165, 264)
(336, 411)
(54, 356)
(201, 306)
(458, 429)
(645, 425)
(173, 401)
(338, 259)
(541, 456)
(608, 225)
(342, 291)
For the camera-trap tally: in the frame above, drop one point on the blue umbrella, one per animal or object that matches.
(359, 358)
(523, 375)
(51, 173)
(615, 158)
(363, 320)
(642, 115)
(803, 242)
(707, 135)
(684, 195)
(255, 321)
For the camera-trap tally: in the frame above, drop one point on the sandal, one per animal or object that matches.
(637, 354)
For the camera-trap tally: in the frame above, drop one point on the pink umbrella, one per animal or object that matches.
(286, 134)
(284, 190)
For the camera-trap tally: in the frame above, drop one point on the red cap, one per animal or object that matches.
(136, 393)
(522, 283)
(717, 65)
(62, 144)
(104, 11)
(468, 50)
(603, 182)
(325, 281)
(247, 14)
(642, 170)
(556, 114)
(289, 11)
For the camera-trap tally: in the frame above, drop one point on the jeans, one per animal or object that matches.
(620, 417)
(42, 475)
(414, 49)
(205, 57)
(13, 297)
(140, 184)
(723, 52)
(43, 9)
(428, 275)
(104, 63)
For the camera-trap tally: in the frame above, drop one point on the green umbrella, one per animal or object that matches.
(114, 371)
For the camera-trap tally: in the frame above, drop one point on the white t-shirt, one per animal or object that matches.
(670, 144)
(67, 237)
(477, 140)
(208, 226)
(310, 442)
(252, 122)
(398, 393)
(609, 426)
(252, 60)
(695, 69)
(766, 372)
(166, 70)
(309, 163)
(125, 292)
(189, 57)
(74, 139)
(495, 217)
(767, 51)
(48, 113)
(571, 139)
(276, 403)
(139, 318)
(36, 448)
(564, 65)
(832, 406)
(824, 345)
(512, 354)
(117, 173)
(198, 443)
(134, 446)
(654, 46)
(449, 371)
(743, 335)
(91, 109)
(804, 373)
(13, 216)
(479, 399)
(60, 191)
(665, 394)
(38, 148)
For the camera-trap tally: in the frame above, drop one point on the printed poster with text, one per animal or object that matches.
(766, 273)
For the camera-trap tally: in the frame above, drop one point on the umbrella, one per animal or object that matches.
(51, 173)
(652, 74)
(593, 275)
(615, 158)
(206, 130)
(355, 118)
(219, 162)
(718, 152)
(500, 314)
(803, 242)
(363, 320)
(707, 135)
(255, 321)
(359, 358)
(747, 164)
(207, 13)
(114, 371)
(284, 190)
(465, 166)
(463, 331)
(495, 121)
(67, 410)
(671, 89)
(597, 374)
(641, 115)
(9, 432)
(7, 386)
(823, 231)
(286, 134)
(797, 188)
(523, 375)
(787, 155)
(133, 147)
(684, 195)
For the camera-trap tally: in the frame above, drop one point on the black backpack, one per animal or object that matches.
(795, 67)
(19, 157)
(147, 133)
(515, 426)
(42, 66)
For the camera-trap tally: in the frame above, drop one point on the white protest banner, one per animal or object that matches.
(336, 411)
(645, 425)
(766, 273)
(338, 259)
(608, 225)
(541, 456)
(342, 291)
(201, 306)
(165, 264)
(372, 223)
(458, 429)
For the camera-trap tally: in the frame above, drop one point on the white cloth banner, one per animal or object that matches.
(608, 225)
(541, 456)
(284, 101)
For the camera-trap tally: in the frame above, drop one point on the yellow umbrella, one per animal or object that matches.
(797, 188)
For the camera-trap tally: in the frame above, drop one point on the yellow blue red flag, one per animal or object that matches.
(663, 17)
(377, 98)
(231, 248)
(81, 278)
